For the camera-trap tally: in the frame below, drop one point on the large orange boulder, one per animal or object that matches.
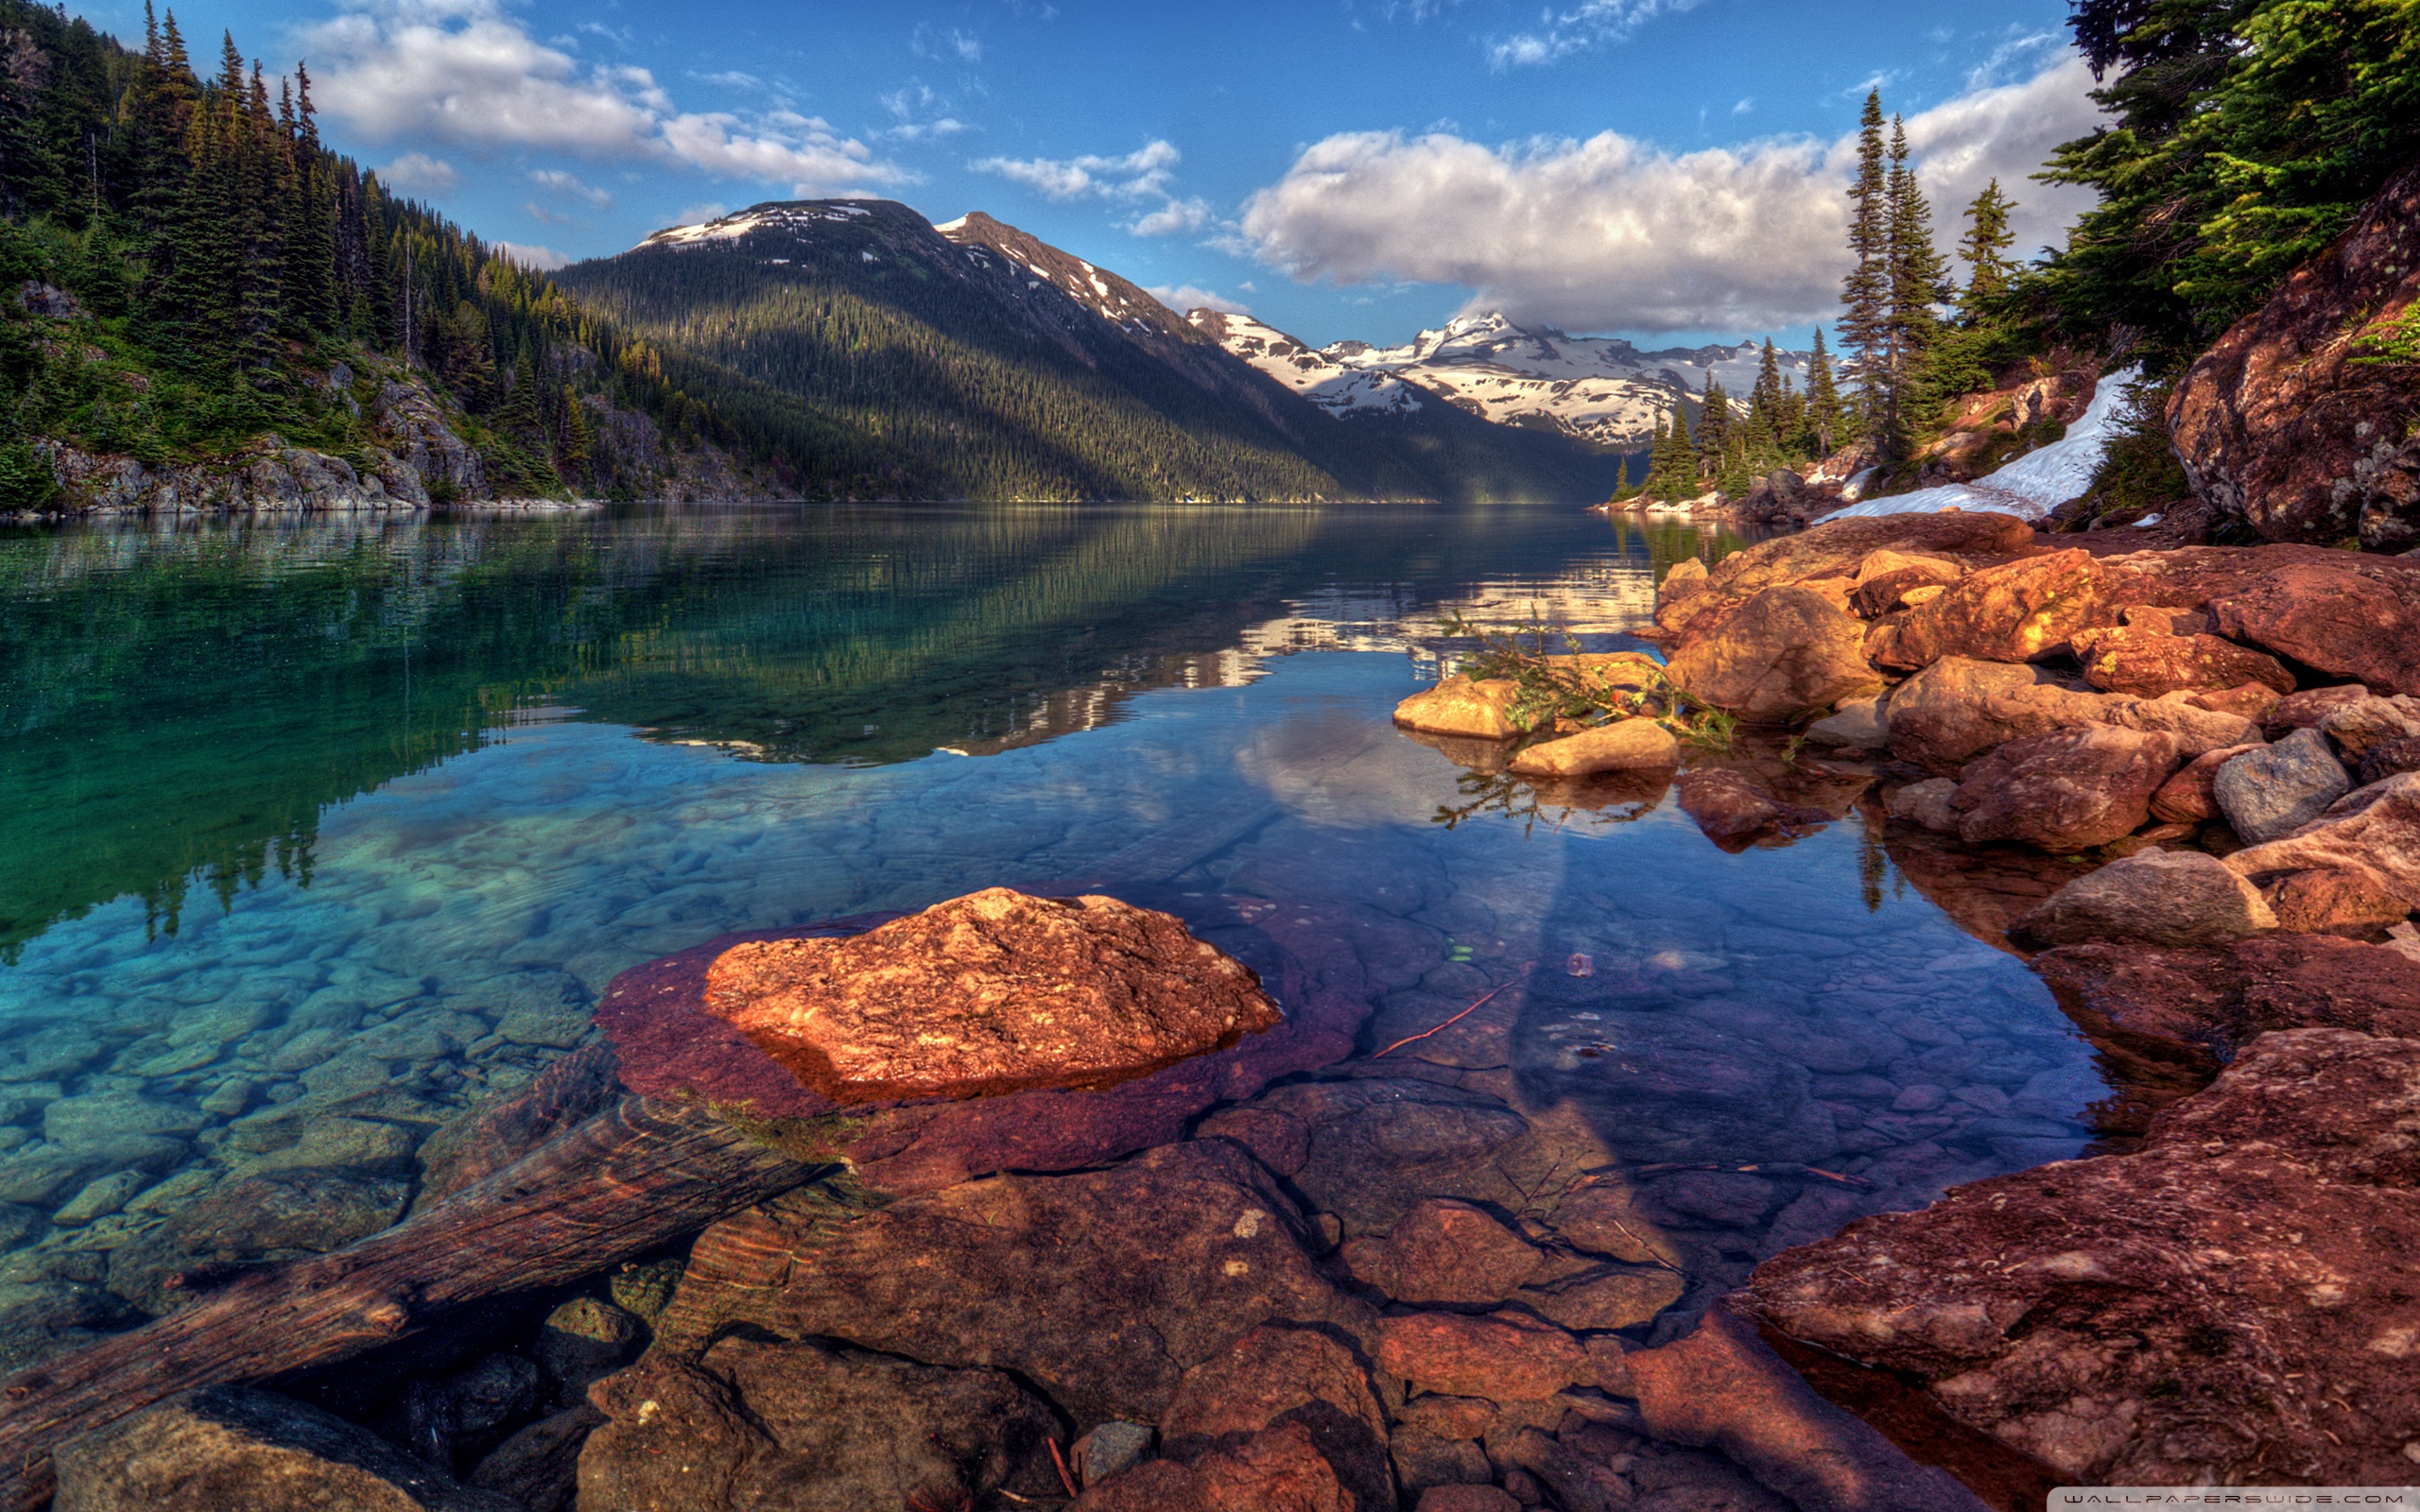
(2021, 611)
(1836, 548)
(2354, 617)
(1787, 654)
(992, 992)
(2064, 790)
(1478, 709)
(2281, 426)
(2149, 662)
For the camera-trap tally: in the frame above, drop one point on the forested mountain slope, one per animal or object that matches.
(975, 361)
(205, 305)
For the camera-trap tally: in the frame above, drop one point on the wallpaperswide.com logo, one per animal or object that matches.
(2067, 1496)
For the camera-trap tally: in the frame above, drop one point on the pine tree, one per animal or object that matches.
(1865, 293)
(1984, 248)
(1713, 427)
(1825, 424)
(1764, 401)
(1918, 282)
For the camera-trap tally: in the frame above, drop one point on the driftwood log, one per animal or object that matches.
(610, 1187)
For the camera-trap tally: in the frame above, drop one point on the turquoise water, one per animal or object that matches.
(315, 831)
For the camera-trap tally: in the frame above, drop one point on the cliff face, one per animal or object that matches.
(2285, 426)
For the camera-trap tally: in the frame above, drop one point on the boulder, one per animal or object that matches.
(2357, 619)
(2389, 758)
(1857, 722)
(2357, 726)
(2018, 611)
(2186, 797)
(1885, 578)
(2197, 730)
(2330, 901)
(1958, 707)
(1445, 1253)
(2065, 790)
(2281, 426)
(2230, 1305)
(1626, 744)
(2249, 700)
(231, 1449)
(2270, 792)
(1480, 710)
(1736, 814)
(1684, 578)
(1784, 654)
(538, 1468)
(2149, 662)
(997, 991)
(2159, 898)
(1928, 803)
(812, 1426)
(1277, 1378)
(1836, 547)
(2374, 830)
(1102, 1287)
(583, 1339)
(1605, 1298)
(2299, 710)
(1507, 1357)
(1280, 1470)
(2171, 1015)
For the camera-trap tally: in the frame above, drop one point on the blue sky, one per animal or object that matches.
(1664, 169)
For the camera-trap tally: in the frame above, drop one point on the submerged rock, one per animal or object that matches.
(1736, 814)
(230, 1449)
(2231, 1304)
(1446, 1253)
(1277, 1378)
(813, 1427)
(1480, 710)
(992, 992)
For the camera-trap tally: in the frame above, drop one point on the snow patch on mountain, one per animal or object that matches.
(1599, 389)
(732, 226)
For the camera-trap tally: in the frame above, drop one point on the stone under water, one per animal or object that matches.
(993, 993)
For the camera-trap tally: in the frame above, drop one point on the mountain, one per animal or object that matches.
(1597, 389)
(972, 360)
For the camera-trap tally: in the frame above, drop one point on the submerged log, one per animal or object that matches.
(623, 1182)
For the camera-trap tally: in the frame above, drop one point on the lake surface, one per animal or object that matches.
(314, 832)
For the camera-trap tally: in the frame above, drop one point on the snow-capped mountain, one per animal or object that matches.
(1600, 389)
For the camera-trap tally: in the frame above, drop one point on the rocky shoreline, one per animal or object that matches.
(2218, 745)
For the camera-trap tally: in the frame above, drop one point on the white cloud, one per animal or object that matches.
(1141, 176)
(541, 259)
(417, 173)
(540, 213)
(555, 180)
(1591, 24)
(1185, 297)
(927, 41)
(700, 215)
(1141, 172)
(465, 72)
(1615, 233)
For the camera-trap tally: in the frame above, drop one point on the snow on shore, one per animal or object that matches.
(2035, 484)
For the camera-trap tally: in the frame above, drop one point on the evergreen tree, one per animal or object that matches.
(1713, 427)
(1764, 401)
(1918, 282)
(1825, 425)
(1865, 293)
(1984, 250)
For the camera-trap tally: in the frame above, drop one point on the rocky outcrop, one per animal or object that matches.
(2282, 426)
(1835, 548)
(1784, 655)
(993, 993)
(1482, 709)
(2232, 1304)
